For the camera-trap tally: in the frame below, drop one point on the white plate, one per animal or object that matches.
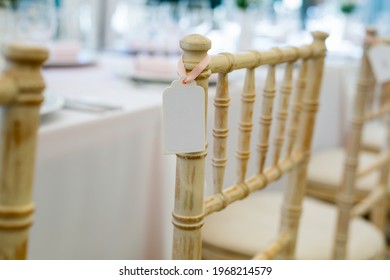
(152, 77)
(52, 103)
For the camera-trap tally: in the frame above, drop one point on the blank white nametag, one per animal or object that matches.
(184, 118)
(379, 56)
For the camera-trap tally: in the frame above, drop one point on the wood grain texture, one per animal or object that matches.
(21, 87)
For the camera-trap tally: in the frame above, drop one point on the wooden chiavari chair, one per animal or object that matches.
(326, 168)
(21, 87)
(374, 137)
(191, 210)
(354, 177)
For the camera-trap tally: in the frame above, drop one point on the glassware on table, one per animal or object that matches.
(75, 40)
(35, 21)
(6, 15)
(128, 22)
(155, 26)
(140, 26)
(5, 19)
(195, 16)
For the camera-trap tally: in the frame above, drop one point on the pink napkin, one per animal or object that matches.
(64, 51)
(155, 64)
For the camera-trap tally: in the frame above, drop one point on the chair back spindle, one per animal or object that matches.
(245, 126)
(266, 116)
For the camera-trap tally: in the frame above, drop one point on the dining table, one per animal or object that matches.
(103, 188)
(100, 176)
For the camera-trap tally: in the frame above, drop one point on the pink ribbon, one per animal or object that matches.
(194, 72)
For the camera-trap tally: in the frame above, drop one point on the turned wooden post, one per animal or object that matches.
(265, 119)
(188, 211)
(297, 107)
(21, 87)
(297, 176)
(248, 97)
(282, 113)
(221, 129)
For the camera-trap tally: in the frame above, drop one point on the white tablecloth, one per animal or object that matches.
(100, 177)
(103, 189)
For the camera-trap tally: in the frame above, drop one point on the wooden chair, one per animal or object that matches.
(249, 228)
(354, 177)
(325, 171)
(190, 208)
(21, 87)
(374, 134)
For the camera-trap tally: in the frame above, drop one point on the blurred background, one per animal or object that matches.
(261, 22)
(134, 26)
(155, 25)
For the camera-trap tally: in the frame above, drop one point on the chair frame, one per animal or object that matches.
(375, 201)
(21, 87)
(190, 207)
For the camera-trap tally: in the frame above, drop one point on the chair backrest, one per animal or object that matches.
(21, 87)
(369, 105)
(289, 157)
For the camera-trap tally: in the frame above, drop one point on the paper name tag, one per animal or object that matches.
(379, 56)
(184, 118)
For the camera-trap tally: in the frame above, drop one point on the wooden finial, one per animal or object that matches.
(28, 80)
(195, 42)
(195, 48)
(319, 47)
(371, 38)
(24, 53)
(319, 35)
(371, 31)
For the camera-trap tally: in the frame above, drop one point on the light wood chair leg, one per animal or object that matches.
(21, 96)
(189, 210)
